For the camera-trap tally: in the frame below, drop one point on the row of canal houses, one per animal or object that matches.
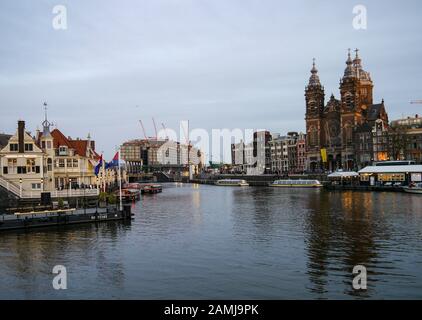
(49, 162)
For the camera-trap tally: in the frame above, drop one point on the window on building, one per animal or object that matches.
(347, 133)
(21, 170)
(36, 186)
(14, 147)
(12, 166)
(313, 137)
(49, 164)
(62, 151)
(61, 163)
(29, 147)
(30, 166)
(75, 163)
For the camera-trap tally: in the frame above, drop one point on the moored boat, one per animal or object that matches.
(129, 195)
(232, 183)
(296, 183)
(151, 188)
(413, 188)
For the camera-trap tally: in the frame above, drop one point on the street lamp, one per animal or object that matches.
(20, 187)
(42, 184)
(70, 186)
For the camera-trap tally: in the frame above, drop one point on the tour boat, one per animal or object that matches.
(129, 195)
(232, 183)
(296, 183)
(413, 188)
(151, 188)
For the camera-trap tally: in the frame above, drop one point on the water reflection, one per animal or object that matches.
(198, 241)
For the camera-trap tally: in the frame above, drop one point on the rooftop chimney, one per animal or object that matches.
(21, 136)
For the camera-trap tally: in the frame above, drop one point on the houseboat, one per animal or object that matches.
(296, 183)
(232, 183)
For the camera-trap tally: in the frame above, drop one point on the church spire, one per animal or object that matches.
(349, 58)
(314, 79)
(46, 124)
(349, 72)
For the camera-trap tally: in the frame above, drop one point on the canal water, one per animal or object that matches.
(209, 242)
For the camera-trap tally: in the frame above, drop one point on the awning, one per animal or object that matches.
(392, 169)
(343, 174)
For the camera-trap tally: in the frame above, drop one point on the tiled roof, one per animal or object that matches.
(80, 146)
(4, 139)
(59, 139)
(374, 111)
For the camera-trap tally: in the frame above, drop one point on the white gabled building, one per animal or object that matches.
(22, 161)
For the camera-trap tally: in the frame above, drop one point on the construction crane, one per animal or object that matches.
(143, 129)
(155, 128)
(186, 132)
(188, 142)
(165, 130)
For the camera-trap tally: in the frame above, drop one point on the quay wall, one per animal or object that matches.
(363, 188)
(264, 180)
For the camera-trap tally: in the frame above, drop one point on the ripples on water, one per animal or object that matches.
(198, 241)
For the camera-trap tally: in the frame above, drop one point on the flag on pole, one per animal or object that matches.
(99, 165)
(113, 163)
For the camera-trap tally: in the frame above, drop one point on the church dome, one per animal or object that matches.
(354, 69)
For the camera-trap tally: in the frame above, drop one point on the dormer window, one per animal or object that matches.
(29, 147)
(63, 151)
(14, 147)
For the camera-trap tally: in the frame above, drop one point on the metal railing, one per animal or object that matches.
(34, 194)
(69, 193)
(9, 186)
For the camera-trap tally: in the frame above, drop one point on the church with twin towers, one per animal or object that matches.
(335, 130)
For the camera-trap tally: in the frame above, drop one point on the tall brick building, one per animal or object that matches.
(334, 129)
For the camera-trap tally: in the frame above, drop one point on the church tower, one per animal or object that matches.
(314, 96)
(356, 97)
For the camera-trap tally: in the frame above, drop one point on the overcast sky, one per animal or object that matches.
(218, 63)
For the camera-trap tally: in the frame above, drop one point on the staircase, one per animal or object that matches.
(10, 187)
(163, 177)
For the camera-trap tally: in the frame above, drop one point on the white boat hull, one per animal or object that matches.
(296, 186)
(412, 190)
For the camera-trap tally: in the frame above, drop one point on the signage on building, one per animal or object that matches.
(324, 155)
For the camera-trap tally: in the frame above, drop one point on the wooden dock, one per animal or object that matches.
(50, 218)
